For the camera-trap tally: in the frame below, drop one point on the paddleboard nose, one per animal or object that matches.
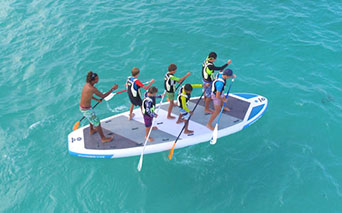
(259, 106)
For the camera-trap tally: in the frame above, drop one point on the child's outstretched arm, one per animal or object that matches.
(148, 86)
(184, 77)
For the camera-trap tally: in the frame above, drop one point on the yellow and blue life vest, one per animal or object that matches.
(207, 74)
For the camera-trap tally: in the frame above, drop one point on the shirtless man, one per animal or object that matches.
(85, 104)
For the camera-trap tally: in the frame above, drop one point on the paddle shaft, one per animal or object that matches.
(224, 104)
(142, 153)
(188, 119)
(161, 101)
(102, 100)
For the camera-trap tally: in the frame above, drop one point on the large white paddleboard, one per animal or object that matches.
(129, 136)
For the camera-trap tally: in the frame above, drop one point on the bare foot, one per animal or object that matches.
(171, 117)
(210, 127)
(154, 128)
(92, 131)
(226, 109)
(131, 116)
(150, 139)
(105, 140)
(208, 111)
(179, 121)
(188, 132)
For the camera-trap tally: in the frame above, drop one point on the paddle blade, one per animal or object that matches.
(110, 96)
(214, 137)
(171, 152)
(76, 125)
(140, 163)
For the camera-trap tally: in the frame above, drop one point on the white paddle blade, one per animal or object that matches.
(140, 163)
(110, 96)
(214, 138)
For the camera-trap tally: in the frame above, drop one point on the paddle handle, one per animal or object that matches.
(120, 91)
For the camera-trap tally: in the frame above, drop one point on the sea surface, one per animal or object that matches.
(289, 51)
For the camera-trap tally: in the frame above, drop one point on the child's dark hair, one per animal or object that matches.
(188, 87)
(172, 67)
(212, 55)
(91, 76)
(152, 90)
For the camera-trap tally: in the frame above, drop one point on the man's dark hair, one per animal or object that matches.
(91, 76)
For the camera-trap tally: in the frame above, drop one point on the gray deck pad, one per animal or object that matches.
(238, 108)
(126, 134)
(131, 133)
(94, 141)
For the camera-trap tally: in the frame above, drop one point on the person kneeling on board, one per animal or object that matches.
(148, 109)
(133, 89)
(85, 105)
(183, 99)
(217, 94)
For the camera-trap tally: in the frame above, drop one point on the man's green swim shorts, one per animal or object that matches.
(91, 116)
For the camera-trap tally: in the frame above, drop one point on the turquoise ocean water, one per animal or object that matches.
(289, 51)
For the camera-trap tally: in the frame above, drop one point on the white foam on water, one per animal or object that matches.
(29, 72)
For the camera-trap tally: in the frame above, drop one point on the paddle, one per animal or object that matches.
(78, 122)
(111, 95)
(214, 137)
(142, 153)
(174, 144)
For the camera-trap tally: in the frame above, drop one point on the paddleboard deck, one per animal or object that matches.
(129, 135)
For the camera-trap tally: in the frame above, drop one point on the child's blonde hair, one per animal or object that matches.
(135, 71)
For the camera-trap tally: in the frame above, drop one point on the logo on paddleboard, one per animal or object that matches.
(77, 139)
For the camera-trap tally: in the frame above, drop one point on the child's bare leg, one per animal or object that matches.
(146, 134)
(131, 114)
(213, 116)
(179, 120)
(169, 116)
(186, 130)
(206, 105)
(225, 108)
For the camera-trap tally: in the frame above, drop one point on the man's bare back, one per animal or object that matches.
(87, 94)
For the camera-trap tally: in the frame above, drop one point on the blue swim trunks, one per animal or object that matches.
(185, 114)
(91, 116)
(207, 89)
